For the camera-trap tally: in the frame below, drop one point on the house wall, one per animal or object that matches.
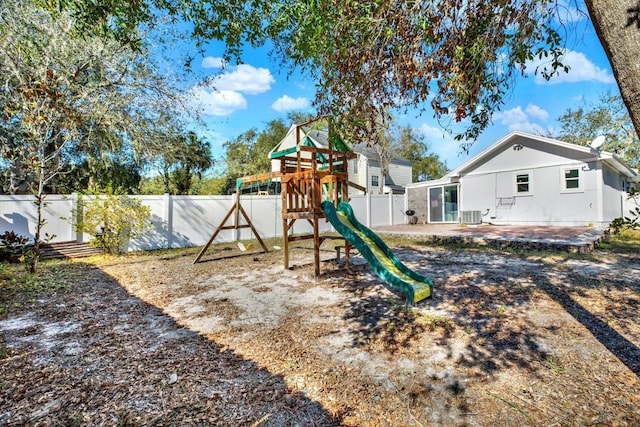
(489, 185)
(613, 195)
(400, 173)
(417, 201)
(495, 195)
(373, 168)
(358, 173)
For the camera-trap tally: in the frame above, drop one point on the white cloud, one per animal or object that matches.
(246, 79)
(524, 120)
(536, 112)
(581, 70)
(223, 94)
(286, 103)
(511, 117)
(217, 102)
(213, 62)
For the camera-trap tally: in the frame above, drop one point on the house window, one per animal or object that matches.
(523, 183)
(355, 166)
(571, 180)
(375, 180)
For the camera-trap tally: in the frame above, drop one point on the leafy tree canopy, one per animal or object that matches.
(425, 165)
(369, 57)
(608, 117)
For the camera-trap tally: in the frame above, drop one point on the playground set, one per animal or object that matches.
(314, 185)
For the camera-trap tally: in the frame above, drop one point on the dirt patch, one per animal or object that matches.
(505, 340)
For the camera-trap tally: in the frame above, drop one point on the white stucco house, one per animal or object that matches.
(526, 179)
(364, 170)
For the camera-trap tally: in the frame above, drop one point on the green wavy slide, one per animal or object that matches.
(384, 263)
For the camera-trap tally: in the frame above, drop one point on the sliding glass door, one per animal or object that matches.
(443, 204)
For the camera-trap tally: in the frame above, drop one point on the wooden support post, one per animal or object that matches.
(236, 217)
(347, 251)
(316, 247)
(285, 242)
(284, 188)
(214, 235)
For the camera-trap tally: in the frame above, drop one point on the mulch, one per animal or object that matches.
(94, 355)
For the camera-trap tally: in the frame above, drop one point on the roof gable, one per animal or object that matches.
(561, 150)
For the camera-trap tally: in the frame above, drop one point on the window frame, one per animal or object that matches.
(377, 181)
(529, 183)
(565, 180)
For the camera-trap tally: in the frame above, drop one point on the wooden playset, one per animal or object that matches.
(308, 175)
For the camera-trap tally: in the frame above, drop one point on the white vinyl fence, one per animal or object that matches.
(183, 221)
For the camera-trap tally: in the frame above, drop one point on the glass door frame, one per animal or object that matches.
(442, 205)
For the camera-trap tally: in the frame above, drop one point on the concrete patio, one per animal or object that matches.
(570, 239)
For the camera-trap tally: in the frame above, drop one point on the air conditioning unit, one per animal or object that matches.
(470, 217)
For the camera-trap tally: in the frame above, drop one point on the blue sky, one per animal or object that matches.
(257, 91)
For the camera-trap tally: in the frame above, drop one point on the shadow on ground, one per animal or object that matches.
(477, 305)
(625, 350)
(94, 353)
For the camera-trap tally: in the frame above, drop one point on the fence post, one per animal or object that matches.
(76, 216)
(168, 219)
(390, 207)
(406, 206)
(368, 206)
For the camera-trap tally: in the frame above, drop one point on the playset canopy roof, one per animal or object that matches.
(306, 136)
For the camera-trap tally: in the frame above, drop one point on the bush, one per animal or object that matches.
(14, 247)
(631, 222)
(113, 220)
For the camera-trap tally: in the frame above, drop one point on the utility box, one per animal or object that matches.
(470, 217)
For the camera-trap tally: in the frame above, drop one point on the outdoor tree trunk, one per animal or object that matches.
(617, 24)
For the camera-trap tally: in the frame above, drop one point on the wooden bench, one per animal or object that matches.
(347, 248)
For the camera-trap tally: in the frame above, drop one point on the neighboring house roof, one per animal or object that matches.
(589, 153)
(320, 139)
(395, 189)
(370, 153)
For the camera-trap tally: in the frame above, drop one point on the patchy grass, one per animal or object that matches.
(433, 321)
(17, 286)
(627, 241)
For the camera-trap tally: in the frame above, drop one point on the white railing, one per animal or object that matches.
(183, 221)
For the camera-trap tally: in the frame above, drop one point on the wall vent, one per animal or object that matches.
(471, 217)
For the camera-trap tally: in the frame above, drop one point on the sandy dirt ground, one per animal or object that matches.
(506, 339)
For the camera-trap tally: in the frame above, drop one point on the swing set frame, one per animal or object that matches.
(236, 211)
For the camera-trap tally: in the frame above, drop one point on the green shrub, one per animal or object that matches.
(630, 222)
(113, 220)
(14, 247)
